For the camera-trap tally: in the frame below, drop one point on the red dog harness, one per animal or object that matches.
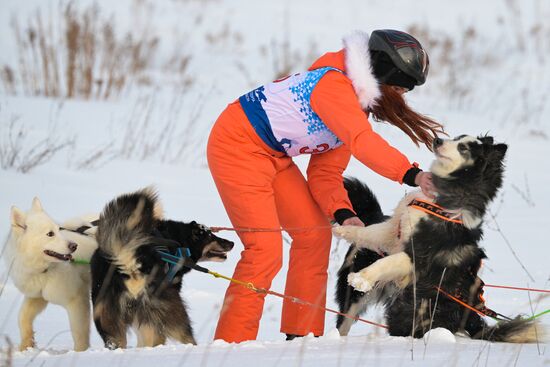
(479, 306)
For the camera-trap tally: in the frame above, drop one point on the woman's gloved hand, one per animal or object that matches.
(424, 181)
(353, 221)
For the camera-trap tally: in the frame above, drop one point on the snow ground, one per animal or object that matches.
(506, 99)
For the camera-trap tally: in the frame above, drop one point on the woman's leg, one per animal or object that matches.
(243, 172)
(309, 253)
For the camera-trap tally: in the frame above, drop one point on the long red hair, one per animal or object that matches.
(392, 108)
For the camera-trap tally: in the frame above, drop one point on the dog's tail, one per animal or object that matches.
(349, 300)
(514, 331)
(125, 224)
(363, 200)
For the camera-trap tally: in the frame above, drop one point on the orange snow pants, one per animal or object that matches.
(263, 188)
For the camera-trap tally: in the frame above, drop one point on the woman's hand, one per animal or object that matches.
(353, 221)
(424, 181)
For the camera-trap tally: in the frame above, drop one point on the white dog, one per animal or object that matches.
(40, 257)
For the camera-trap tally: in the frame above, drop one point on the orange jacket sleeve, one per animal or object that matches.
(336, 103)
(324, 177)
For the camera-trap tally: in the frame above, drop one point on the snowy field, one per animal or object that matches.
(489, 74)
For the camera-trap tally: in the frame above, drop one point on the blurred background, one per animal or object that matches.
(159, 72)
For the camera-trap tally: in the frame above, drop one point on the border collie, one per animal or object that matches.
(131, 285)
(401, 260)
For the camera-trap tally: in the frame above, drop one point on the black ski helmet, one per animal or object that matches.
(398, 58)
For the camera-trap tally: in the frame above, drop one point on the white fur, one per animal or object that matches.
(391, 235)
(42, 278)
(448, 158)
(359, 69)
(456, 256)
(536, 333)
(86, 241)
(354, 309)
(395, 268)
(469, 220)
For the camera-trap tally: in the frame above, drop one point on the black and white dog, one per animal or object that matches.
(428, 243)
(131, 285)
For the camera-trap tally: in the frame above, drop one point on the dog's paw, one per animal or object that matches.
(403, 282)
(112, 344)
(345, 232)
(359, 282)
(81, 346)
(26, 344)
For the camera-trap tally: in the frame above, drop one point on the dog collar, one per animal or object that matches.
(435, 210)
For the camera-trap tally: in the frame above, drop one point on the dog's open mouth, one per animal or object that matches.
(216, 251)
(58, 256)
(216, 254)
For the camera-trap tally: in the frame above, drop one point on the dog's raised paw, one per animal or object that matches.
(343, 231)
(358, 281)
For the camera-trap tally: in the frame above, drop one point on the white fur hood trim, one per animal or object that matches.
(359, 69)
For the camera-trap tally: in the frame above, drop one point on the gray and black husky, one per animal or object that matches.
(131, 285)
(400, 260)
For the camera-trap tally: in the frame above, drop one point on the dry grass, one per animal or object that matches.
(285, 59)
(154, 130)
(157, 131)
(83, 55)
(17, 153)
(8, 79)
(224, 36)
(97, 157)
(453, 57)
(6, 354)
(516, 50)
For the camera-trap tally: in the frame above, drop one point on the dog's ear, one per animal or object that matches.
(501, 149)
(486, 140)
(92, 231)
(36, 205)
(18, 219)
(158, 211)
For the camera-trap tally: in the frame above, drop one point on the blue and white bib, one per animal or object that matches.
(281, 114)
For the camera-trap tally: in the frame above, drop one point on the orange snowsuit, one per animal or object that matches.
(262, 188)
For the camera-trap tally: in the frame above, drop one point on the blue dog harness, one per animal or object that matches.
(175, 262)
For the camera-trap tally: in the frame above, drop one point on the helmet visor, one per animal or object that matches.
(416, 62)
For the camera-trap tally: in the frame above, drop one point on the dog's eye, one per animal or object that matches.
(50, 234)
(198, 232)
(462, 148)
